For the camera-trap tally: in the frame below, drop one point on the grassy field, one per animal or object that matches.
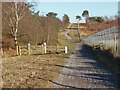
(74, 35)
(34, 71)
(84, 29)
(64, 41)
(31, 71)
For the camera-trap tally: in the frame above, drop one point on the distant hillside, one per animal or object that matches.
(94, 27)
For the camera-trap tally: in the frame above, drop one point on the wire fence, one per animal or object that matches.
(108, 38)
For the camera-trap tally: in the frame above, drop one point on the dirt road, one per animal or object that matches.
(83, 71)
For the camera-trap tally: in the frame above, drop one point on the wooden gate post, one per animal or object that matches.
(29, 48)
(42, 49)
(45, 47)
(1, 51)
(57, 48)
(17, 48)
(20, 50)
(65, 49)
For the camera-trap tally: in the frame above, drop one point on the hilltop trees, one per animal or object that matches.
(65, 21)
(101, 23)
(100, 19)
(91, 19)
(86, 15)
(51, 14)
(96, 19)
(65, 18)
(78, 17)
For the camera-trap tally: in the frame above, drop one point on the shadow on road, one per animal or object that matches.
(99, 73)
(66, 86)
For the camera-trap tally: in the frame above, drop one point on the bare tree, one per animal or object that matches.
(14, 12)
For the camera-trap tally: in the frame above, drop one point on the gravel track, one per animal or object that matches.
(83, 71)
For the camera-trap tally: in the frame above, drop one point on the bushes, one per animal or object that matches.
(97, 26)
(32, 27)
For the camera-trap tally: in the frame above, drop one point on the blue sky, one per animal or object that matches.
(76, 8)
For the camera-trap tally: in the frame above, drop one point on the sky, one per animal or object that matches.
(72, 9)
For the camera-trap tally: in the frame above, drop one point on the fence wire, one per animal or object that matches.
(109, 38)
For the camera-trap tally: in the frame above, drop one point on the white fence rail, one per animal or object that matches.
(41, 49)
(109, 38)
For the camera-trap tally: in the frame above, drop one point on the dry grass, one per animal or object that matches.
(84, 29)
(64, 41)
(34, 71)
(85, 32)
(74, 35)
(31, 71)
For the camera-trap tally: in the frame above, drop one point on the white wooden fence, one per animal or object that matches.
(41, 49)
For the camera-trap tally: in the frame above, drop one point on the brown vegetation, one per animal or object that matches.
(96, 26)
(31, 71)
(90, 28)
(34, 71)
(31, 28)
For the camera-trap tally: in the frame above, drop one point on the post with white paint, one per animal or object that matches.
(2, 52)
(29, 48)
(42, 49)
(17, 50)
(20, 50)
(45, 47)
(65, 49)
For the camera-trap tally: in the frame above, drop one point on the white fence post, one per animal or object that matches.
(20, 50)
(29, 48)
(1, 51)
(17, 50)
(65, 49)
(45, 47)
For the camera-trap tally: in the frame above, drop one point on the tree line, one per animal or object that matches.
(22, 24)
(98, 23)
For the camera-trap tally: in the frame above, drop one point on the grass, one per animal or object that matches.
(65, 42)
(74, 35)
(34, 71)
